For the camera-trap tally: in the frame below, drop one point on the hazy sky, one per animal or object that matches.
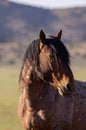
(53, 3)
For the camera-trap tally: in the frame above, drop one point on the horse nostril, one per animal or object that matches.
(69, 87)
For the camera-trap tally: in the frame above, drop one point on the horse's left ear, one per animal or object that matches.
(59, 35)
(42, 36)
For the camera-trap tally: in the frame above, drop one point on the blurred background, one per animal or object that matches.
(20, 23)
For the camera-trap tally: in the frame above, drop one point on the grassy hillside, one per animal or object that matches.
(20, 23)
(78, 60)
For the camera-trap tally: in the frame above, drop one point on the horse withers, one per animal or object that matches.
(50, 98)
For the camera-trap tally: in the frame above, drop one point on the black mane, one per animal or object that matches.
(61, 50)
(32, 52)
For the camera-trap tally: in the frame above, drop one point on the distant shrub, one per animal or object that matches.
(84, 56)
(0, 58)
(11, 62)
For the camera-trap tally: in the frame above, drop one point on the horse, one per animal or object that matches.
(50, 98)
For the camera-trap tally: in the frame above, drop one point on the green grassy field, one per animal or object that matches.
(9, 94)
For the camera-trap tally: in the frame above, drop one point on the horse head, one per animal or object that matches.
(54, 61)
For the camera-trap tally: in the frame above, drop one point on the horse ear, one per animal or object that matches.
(42, 36)
(59, 35)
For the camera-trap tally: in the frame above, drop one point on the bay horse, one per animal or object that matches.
(50, 98)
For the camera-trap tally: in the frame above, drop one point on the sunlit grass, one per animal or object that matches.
(79, 73)
(79, 68)
(9, 93)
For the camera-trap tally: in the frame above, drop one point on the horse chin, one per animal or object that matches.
(60, 92)
(63, 91)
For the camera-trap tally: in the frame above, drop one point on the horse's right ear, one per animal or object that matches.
(42, 36)
(59, 35)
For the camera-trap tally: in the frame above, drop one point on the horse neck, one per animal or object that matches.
(31, 86)
(36, 92)
(36, 88)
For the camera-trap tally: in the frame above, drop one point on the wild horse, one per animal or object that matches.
(50, 98)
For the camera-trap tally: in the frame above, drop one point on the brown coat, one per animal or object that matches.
(50, 98)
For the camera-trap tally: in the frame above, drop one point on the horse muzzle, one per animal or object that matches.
(65, 86)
